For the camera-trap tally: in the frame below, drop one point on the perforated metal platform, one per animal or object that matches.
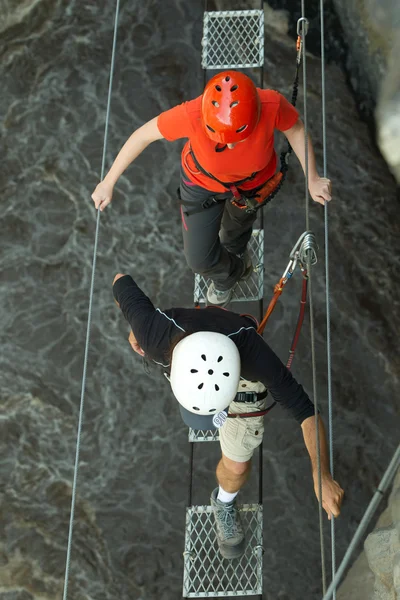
(233, 39)
(249, 290)
(206, 573)
(211, 435)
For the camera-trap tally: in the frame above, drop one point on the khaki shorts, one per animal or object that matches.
(240, 437)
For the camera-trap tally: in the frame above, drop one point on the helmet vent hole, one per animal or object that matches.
(212, 410)
(234, 88)
(203, 356)
(226, 374)
(210, 371)
(215, 103)
(219, 358)
(234, 104)
(210, 128)
(216, 388)
(218, 88)
(193, 370)
(195, 408)
(227, 78)
(242, 128)
(200, 386)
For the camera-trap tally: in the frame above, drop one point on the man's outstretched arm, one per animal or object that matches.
(332, 493)
(320, 187)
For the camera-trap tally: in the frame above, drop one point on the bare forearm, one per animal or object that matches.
(310, 440)
(296, 138)
(138, 141)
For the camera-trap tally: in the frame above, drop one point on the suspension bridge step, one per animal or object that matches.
(206, 573)
(209, 435)
(249, 290)
(233, 39)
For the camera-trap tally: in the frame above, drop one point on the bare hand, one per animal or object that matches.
(135, 346)
(320, 190)
(332, 495)
(102, 195)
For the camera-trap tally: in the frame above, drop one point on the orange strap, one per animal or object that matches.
(278, 289)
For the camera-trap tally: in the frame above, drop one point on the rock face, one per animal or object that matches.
(132, 485)
(372, 29)
(376, 573)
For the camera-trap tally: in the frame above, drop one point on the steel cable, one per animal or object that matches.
(302, 30)
(87, 344)
(327, 289)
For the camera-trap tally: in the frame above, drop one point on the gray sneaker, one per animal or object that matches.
(219, 297)
(230, 535)
(223, 297)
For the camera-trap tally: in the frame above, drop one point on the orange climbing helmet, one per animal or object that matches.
(230, 107)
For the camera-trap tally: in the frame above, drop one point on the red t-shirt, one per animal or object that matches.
(255, 153)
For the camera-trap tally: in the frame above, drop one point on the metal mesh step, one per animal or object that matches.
(211, 435)
(233, 39)
(206, 573)
(249, 290)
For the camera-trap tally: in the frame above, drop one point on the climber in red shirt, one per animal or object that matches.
(229, 156)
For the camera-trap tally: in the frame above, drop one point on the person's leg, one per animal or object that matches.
(232, 475)
(203, 251)
(236, 228)
(238, 438)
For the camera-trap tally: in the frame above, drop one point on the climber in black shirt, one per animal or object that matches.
(209, 355)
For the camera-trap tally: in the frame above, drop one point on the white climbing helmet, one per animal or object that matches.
(205, 372)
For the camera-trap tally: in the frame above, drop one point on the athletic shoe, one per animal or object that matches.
(230, 535)
(223, 297)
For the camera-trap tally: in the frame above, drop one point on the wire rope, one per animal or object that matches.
(302, 30)
(87, 344)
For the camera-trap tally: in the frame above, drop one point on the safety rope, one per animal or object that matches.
(317, 436)
(327, 289)
(386, 480)
(78, 438)
(302, 26)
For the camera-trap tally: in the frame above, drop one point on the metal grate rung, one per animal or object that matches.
(211, 435)
(233, 39)
(206, 573)
(249, 290)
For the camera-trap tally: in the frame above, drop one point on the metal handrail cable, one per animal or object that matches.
(87, 344)
(327, 288)
(302, 26)
(302, 30)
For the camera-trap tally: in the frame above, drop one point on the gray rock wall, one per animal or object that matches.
(376, 573)
(372, 29)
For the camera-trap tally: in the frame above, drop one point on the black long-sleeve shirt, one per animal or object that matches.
(156, 331)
